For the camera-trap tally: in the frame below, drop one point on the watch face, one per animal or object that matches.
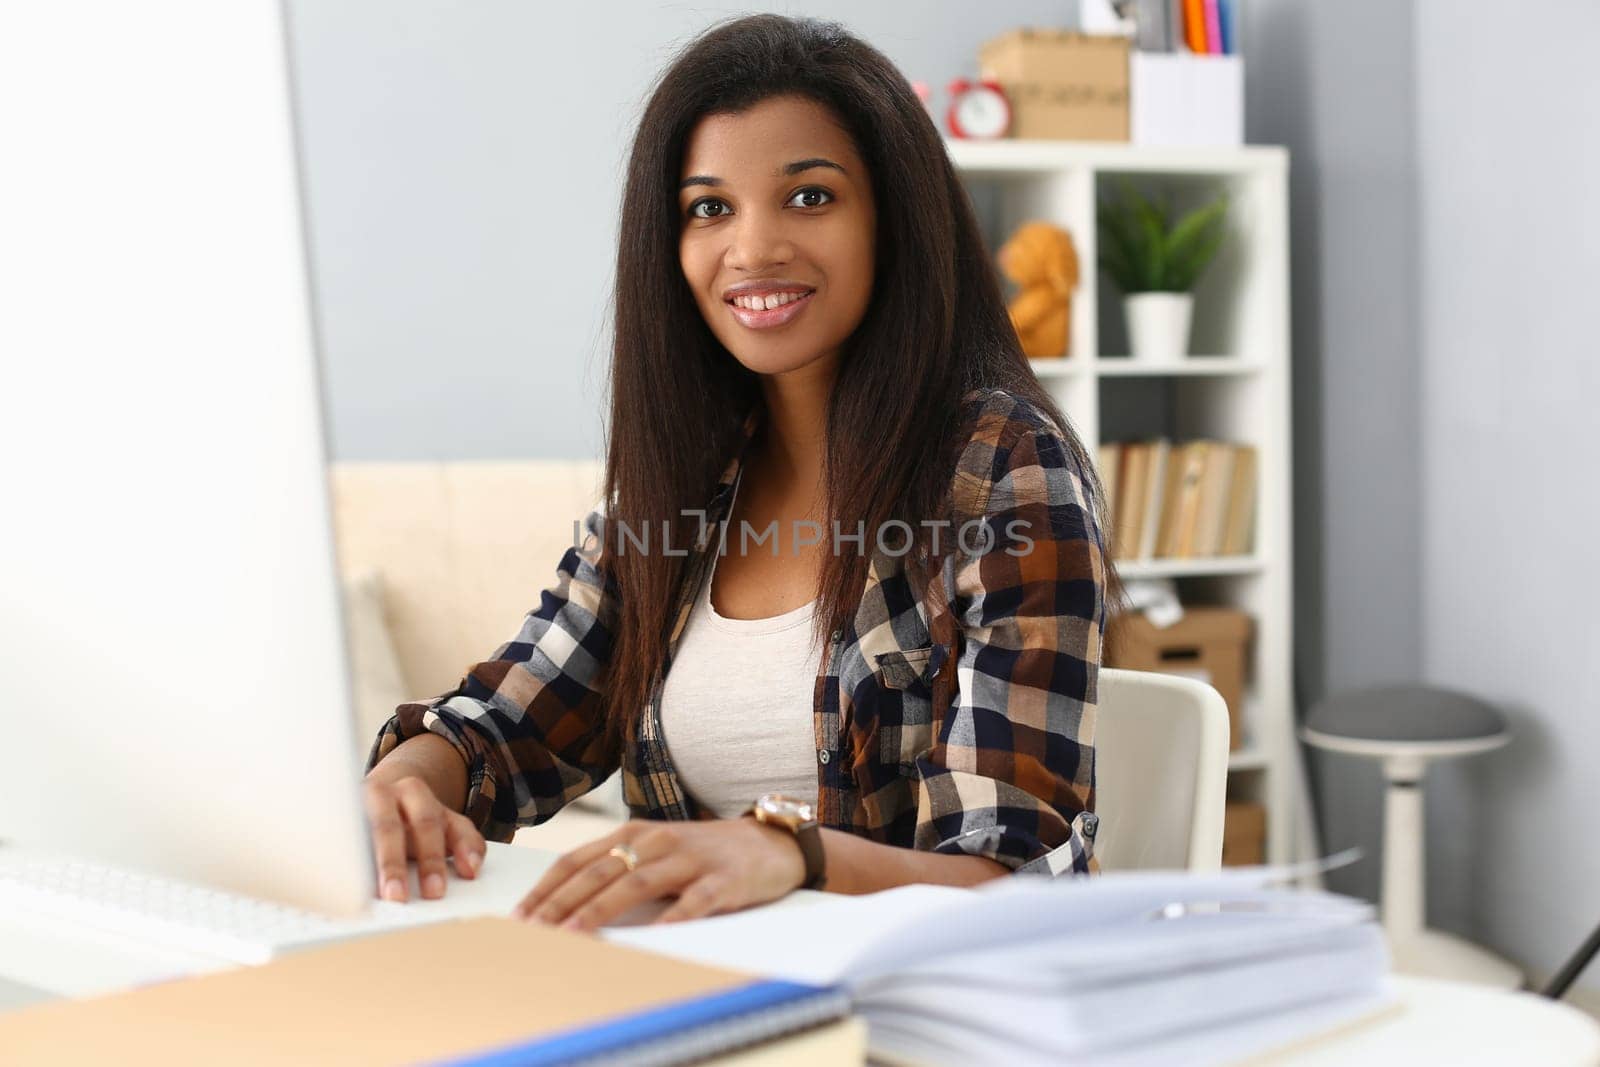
(786, 808)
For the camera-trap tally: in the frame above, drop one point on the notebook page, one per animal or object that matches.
(815, 943)
(840, 937)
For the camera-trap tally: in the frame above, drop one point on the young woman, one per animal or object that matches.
(849, 574)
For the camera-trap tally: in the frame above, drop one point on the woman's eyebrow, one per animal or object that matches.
(784, 171)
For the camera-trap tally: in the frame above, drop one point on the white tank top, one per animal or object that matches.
(736, 705)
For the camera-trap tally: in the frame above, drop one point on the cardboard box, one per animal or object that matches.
(1244, 834)
(1064, 86)
(1178, 98)
(1208, 643)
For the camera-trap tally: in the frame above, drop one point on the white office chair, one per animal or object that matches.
(1161, 772)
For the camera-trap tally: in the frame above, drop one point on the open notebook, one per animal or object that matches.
(1120, 969)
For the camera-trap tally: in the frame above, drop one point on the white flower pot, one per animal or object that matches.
(1158, 325)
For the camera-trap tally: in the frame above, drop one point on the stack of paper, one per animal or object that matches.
(1128, 968)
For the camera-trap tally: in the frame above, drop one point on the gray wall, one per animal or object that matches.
(1446, 239)
(464, 167)
(1509, 163)
(1335, 84)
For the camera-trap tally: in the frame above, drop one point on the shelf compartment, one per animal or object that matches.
(1194, 567)
(1123, 367)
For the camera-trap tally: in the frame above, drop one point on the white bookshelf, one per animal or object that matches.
(1237, 390)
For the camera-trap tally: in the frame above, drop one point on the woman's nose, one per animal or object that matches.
(759, 240)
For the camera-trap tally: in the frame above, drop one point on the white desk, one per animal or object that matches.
(1437, 1022)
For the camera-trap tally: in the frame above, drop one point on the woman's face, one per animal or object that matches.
(776, 203)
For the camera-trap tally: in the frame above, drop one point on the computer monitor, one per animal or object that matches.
(174, 693)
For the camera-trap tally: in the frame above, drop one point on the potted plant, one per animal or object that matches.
(1156, 262)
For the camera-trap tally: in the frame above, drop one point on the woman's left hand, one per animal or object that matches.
(711, 866)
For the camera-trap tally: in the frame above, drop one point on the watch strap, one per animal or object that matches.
(809, 837)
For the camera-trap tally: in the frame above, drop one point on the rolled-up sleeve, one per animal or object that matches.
(530, 720)
(1010, 774)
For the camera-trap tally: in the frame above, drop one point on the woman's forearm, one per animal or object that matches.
(431, 758)
(857, 865)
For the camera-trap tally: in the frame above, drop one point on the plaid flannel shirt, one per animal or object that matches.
(955, 715)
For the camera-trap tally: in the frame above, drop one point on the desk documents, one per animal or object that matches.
(460, 992)
(1133, 968)
(1127, 968)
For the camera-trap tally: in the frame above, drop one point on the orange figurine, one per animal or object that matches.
(1040, 258)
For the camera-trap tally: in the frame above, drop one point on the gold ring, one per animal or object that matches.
(626, 854)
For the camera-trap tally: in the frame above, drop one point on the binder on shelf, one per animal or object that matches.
(1194, 26)
(1183, 501)
(1190, 500)
(1135, 492)
(1213, 28)
(1160, 453)
(1238, 536)
(1213, 500)
(1109, 463)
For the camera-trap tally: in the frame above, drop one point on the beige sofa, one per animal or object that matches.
(440, 563)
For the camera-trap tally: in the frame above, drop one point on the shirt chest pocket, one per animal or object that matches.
(905, 703)
(904, 668)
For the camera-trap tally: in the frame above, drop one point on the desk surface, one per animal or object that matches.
(1436, 1022)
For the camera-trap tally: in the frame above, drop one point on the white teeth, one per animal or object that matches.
(756, 303)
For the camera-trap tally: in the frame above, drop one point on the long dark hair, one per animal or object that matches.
(936, 327)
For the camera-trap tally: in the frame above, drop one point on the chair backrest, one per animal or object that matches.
(464, 549)
(1161, 771)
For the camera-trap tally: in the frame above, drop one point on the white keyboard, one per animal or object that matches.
(179, 915)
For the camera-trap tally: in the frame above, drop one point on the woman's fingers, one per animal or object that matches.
(701, 897)
(388, 841)
(585, 883)
(465, 843)
(425, 825)
(649, 881)
(569, 864)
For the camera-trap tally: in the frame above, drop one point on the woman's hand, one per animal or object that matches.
(711, 866)
(408, 820)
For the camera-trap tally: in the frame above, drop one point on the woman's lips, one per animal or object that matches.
(767, 319)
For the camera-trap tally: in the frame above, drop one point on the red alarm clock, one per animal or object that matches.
(978, 110)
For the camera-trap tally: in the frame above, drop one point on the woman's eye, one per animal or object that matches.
(722, 207)
(694, 208)
(813, 191)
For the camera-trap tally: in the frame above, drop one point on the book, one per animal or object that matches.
(1108, 463)
(1183, 501)
(1213, 28)
(1194, 26)
(1135, 469)
(1213, 500)
(1238, 534)
(476, 991)
(1120, 968)
(1160, 451)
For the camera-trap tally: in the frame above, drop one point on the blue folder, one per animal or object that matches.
(678, 1032)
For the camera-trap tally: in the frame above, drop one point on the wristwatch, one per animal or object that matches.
(797, 817)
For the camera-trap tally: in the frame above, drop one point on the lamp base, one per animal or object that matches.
(1434, 954)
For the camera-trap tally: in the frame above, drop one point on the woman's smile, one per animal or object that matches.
(764, 311)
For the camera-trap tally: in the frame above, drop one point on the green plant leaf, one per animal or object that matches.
(1143, 251)
(1152, 246)
(1119, 245)
(1193, 242)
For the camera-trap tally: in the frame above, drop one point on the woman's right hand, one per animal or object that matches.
(408, 821)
